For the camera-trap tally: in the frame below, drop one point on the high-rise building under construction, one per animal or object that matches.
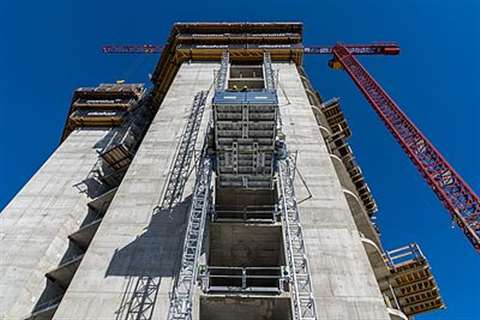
(227, 190)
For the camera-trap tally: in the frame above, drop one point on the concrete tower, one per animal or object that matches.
(226, 191)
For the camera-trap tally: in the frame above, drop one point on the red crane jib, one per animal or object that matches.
(448, 185)
(361, 49)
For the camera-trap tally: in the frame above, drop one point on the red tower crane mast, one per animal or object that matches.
(455, 194)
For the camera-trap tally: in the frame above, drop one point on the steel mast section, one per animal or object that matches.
(455, 194)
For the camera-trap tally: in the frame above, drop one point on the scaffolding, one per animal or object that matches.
(107, 105)
(413, 287)
(180, 171)
(246, 280)
(181, 295)
(303, 302)
(245, 130)
(247, 163)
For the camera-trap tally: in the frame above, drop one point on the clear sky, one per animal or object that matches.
(48, 48)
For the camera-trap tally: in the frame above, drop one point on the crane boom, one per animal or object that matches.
(362, 49)
(455, 194)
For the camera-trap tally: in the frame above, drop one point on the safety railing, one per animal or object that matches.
(257, 214)
(245, 279)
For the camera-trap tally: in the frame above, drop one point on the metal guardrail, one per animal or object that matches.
(245, 279)
(255, 214)
(405, 254)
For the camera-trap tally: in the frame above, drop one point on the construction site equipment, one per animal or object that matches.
(250, 214)
(413, 287)
(106, 105)
(180, 171)
(245, 131)
(181, 295)
(362, 49)
(455, 194)
(303, 301)
(221, 81)
(244, 279)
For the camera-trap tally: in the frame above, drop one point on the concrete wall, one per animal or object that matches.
(244, 308)
(245, 245)
(35, 225)
(134, 254)
(133, 246)
(344, 283)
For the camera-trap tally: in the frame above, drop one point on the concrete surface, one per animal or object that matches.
(135, 244)
(128, 269)
(343, 280)
(35, 225)
(245, 245)
(243, 308)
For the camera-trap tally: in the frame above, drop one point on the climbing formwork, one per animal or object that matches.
(413, 287)
(123, 110)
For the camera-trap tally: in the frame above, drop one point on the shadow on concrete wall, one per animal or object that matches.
(153, 255)
(103, 142)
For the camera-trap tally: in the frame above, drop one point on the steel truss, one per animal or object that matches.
(182, 294)
(303, 302)
(181, 167)
(448, 185)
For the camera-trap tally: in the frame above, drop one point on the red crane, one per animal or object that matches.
(371, 49)
(455, 194)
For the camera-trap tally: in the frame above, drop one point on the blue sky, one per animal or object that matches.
(48, 48)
